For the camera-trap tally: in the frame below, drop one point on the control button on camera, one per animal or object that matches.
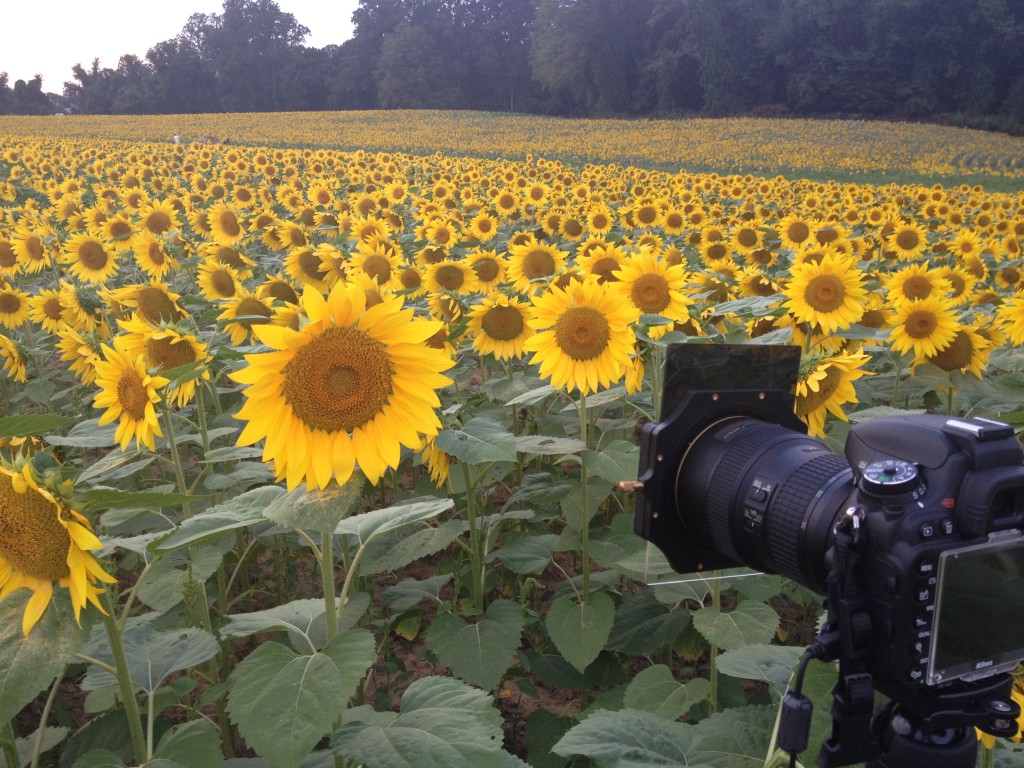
(927, 530)
(924, 595)
(947, 527)
(921, 621)
(926, 567)
(916, 675)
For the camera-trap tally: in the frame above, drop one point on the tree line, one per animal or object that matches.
(956, 60)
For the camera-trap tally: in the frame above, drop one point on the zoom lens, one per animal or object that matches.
(764, 495)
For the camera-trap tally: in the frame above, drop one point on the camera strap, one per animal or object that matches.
(853, 695)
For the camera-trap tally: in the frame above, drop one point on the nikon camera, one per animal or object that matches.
(929, 598)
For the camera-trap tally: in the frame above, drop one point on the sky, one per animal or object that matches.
(48, 37)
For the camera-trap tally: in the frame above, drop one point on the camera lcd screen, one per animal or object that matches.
(979, 612)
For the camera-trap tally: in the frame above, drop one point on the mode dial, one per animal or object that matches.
(889, 477)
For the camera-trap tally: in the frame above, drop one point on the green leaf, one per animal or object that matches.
(284, 703)
(543, 730)
(87, 434)
(617, 461)
(478, 653)
(749, 623)
(613, 544)
(99, 758)
(397, 549)
(543, 445)
(296, 616)
(109, 498)
(643, 625)
(315, 509)
(191, 745)
(165, 584)
(152, 655)
(656, 690)
(770, 663)
(115, 466)
(239, 512)
(379, 521)
(442, 723)
(353, 652)
(572, 505)
(629, 739)
(529, 554)
(33, 424)
(26, 746)
(533, 396)
(580, 630)
(735, 738)
(231, 453)
(29, 664)
(410, 592)
(481, 441)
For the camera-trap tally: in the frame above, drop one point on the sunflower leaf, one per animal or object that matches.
(481, 441)
(315, 509)
(243, 510)
(628, 738)
(580, 630)
(109, 498)
(35, 424)
(369, 524)
(153, 655)
(479, 653)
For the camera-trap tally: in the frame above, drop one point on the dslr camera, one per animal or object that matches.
(914, 538)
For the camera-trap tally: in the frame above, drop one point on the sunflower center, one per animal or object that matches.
(229, 224)
(310, 263)
(604, 268)
(34, 248)
(650, 294)
(573, 228)
(92, 255)
(647, 214)
(166, 355)
(222, 283)
(672, 221)
(798, 231)
(486, 269)
(283, 292)
(53, 309)
(8, 258)
(717, 251)
(811, 401)
(538, 264)
(582, 333)
(503, 323)
(119, 229)
(873, 318)
(377, 267)
(747, 238)
(956, 356)
(1009, 275)
(158, 222)
(917, 287)
(410, 279)
(450, 277)
(339, 381)
(9, 303)
(155, 306)
(907, 240)
(156, 253)
(132, 394)
(32, 538)
(825, 293)
(920, 324)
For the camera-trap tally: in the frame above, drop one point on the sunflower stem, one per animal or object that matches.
(8, 740)
(585, 492)
(987, 756)
(657, 377)
(124, 682)
(716, 603)
(327, 574)
(476, 587)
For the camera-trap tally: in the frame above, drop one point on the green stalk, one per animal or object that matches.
(896, 383)
(37, 747)
(585, 491)
(327, 574)
(124, 682)
(657, 377)
(987, 757)
(476, 565)
(716, 603)
(7, 740)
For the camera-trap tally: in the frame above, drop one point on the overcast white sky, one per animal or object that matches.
(48, 37)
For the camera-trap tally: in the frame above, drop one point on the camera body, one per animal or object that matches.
(730, 478)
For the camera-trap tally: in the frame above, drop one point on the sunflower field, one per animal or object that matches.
(308, 457)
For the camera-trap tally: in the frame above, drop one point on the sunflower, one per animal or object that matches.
(483, 226)
(377, 259)
(603, 262)
(278, 289)
(152, 256)
(89, 259)
(655, 288)
(924, 327)
(128, 393)
(825, 385)
(829, 294)
(499, 324)
(489, 268)
(217, 282)
(795, 231)
(158, 217)
(533, 261)
(242, 312)
(907, 241)
(9, 264)
(583, 338)
(448, 275)
(153, 301)
(31, 245)
(961, 283)
(1010, 316)
(438, 462)
(352, 387)
(305, 266)
(43, 541)
(916, 281)
(968, 352)
(225, 226)
(46, 309)
(14, 307)
(119, 231)
(14, 361)
(165, 348)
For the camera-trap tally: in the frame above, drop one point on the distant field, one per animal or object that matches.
(844, 150)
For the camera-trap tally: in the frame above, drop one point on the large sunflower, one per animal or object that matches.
(165, 348)
(913, 282)
(924, 327)
(655, 288)
(829, 294)
(825, 385)
(89, 259)
(14, 307)
(532, 261)
(129, 393)
(584, 337)
(499, 326)
(44, 542)
(352, 387)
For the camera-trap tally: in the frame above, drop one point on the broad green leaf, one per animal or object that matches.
(29, 664)
(153, 655)
(245, 475)
(195, 744)
(481, 652)
(535, 395)
(99, 758)
(643, 625)
(115, 466)
(481, 440)
(87, 434)
(26, 746)
(749, 623)
(231, 453)
(34, 424)
(543, 730)
(284, 703)
(580, 630)
(572, 505)
(379, 521)
(353, 652)
(771, 663)
(543, 445)
(239, 512)
(109, 498)
(613, 395)
(442, 723)
(296, 616)
(630, 738)
(734, 738)
(528, 554)
(618, 541)
(410, 592)
(758, 586)
(315, 509)
(617, 461)
(168, 580)
(397, 548)
(657, 691)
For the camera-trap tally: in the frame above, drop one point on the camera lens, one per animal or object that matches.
(765, 496)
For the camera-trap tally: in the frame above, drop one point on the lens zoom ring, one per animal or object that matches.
(790, 507)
